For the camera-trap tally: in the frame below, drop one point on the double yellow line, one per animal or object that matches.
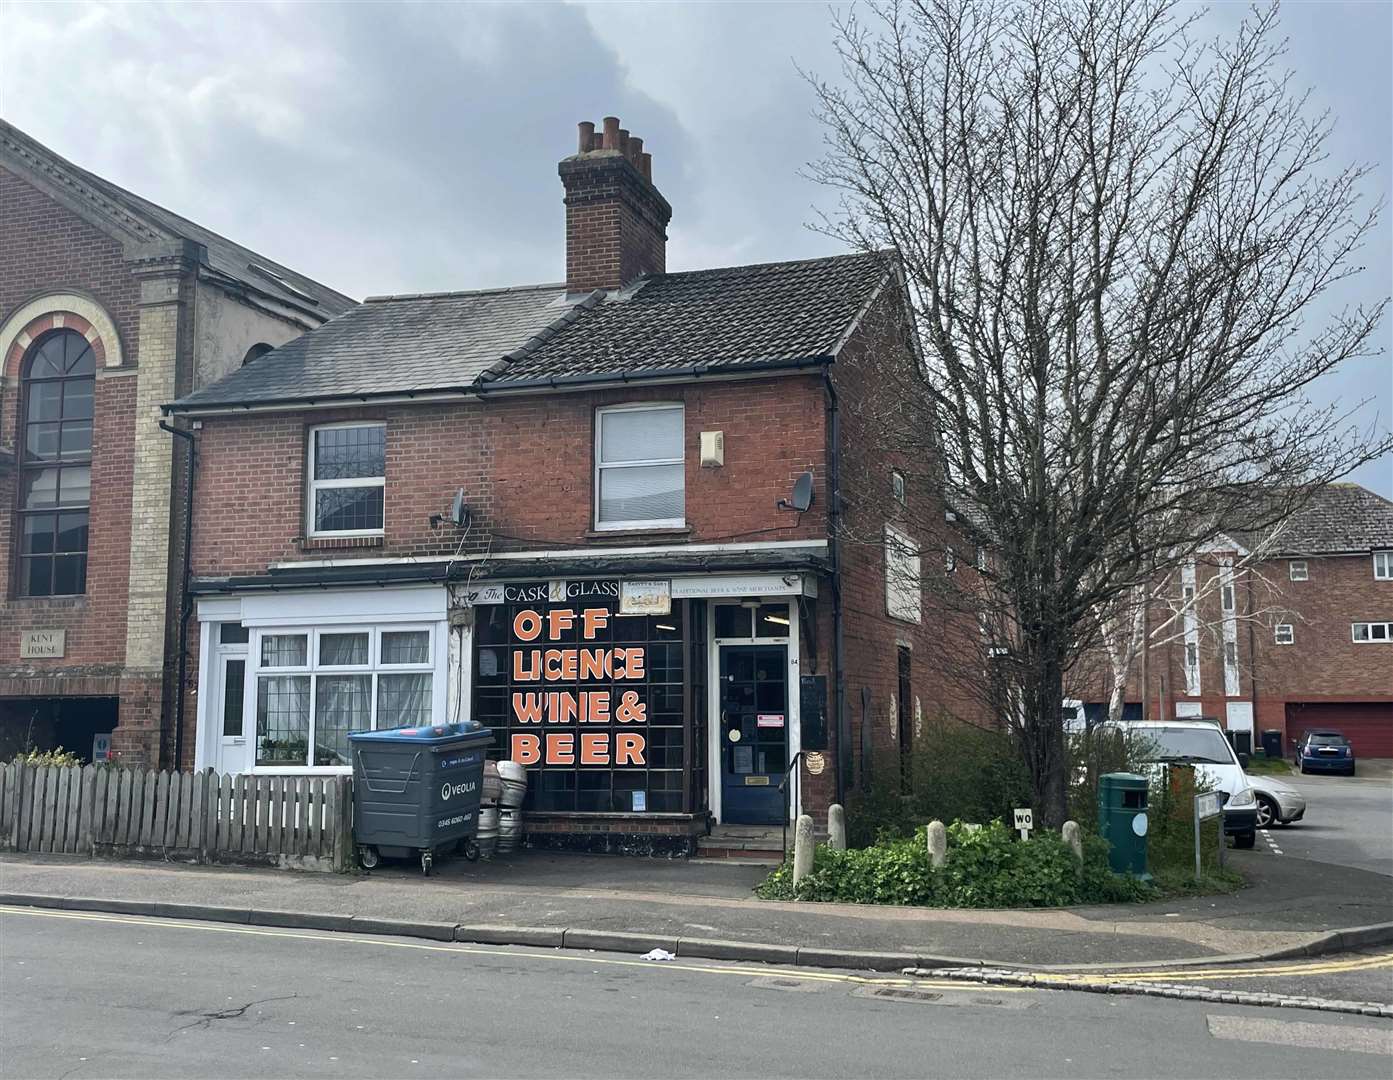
(762, 971)
(1180, 975)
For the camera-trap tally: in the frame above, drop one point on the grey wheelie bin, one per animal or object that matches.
(416, 791)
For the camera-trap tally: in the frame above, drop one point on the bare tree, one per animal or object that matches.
(1112, 237)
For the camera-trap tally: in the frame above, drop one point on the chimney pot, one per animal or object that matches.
(624, 141)
(611, 133)
(645, 166)
(635, 148)
(587, 135)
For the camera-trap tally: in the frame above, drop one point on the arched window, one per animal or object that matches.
(58, 382)
(256, 352)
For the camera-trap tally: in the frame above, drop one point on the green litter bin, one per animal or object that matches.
(1122, 821)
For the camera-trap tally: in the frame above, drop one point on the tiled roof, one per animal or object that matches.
(391, 345)
(741, 317)
(139, 220)
(1341, 517)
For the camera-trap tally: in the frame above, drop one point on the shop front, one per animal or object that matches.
(644, 709)
(641, 706)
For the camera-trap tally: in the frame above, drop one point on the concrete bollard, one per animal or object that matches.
(836, 827)
(1073, 836)
(802, 848)
(938, 844)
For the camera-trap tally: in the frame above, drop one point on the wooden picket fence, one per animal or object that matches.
(297, 822)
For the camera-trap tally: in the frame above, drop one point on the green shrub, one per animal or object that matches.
(986, 868)
(57, 756)
(956, 772)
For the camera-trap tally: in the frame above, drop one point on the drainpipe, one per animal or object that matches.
(185, 605)
(834, 512)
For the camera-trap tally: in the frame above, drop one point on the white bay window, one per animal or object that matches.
(313, 686)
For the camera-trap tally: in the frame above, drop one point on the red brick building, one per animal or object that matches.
(109, 307)
(604, 516)
(1296, 638)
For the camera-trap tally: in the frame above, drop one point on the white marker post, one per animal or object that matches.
(1025, 821)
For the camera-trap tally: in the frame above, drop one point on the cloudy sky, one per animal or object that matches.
(403, 147)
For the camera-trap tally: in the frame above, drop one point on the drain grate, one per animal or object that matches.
(897, 993)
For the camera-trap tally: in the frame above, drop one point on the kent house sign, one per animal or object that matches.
(42, 644)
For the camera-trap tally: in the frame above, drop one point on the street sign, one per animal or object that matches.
(1207, 805)
(1025, 821)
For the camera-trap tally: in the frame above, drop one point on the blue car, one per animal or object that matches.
(1324, 751)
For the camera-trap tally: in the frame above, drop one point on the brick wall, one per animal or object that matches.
(615, 222)
(525, 464)
(49, 249)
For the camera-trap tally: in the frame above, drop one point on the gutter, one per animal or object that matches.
(480, 390)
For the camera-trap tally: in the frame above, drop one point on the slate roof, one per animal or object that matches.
(1340, 518)
(742, 315)
(773, 314)
(393, 345)
(138, 220)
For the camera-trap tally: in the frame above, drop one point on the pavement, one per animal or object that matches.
(85, 994)
(1348, 822)
(707, 909)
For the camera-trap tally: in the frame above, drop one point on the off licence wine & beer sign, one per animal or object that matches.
(539, 656)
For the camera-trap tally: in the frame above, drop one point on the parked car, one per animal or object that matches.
(1200, 743)
(1324, 751)
(1278, 803)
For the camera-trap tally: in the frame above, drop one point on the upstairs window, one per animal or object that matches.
(1297, 570)
(640, 468)
(1364, 632)
(1383, 566)
(57, 390)
(348, 473)
(1284, 635)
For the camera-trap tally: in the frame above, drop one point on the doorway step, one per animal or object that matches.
(759, 844)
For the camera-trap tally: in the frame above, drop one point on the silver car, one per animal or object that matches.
(1278, 803)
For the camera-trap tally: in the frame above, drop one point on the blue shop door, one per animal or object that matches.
(754, 733)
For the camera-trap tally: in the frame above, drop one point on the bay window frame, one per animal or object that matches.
(314, 668)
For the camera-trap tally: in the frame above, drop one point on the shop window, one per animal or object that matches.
(595, 707)
(55, 445)
(640, 468)
(348, 471)
(314, 687)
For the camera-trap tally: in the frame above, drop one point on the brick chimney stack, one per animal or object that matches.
(616, 220)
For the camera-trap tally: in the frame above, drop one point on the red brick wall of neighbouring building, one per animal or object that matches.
(50, 249)
(525, 464)
(872, 637)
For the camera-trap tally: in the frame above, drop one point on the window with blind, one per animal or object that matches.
(640, 467)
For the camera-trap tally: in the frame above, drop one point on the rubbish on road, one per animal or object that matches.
(658, 954)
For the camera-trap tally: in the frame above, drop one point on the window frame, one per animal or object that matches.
(597, 466)
(313, 669)
(1369, 638)
(1387, 557)
(1277, 637)
(1305, 574)
(25, 466)
(312, 486)
(897, 487)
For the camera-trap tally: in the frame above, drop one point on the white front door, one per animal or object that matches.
(230, 722)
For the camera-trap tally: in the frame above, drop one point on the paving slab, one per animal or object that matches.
(542, 898)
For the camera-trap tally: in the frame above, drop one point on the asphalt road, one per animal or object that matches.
(96, 995)
(1349, 821)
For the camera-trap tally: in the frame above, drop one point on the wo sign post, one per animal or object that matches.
(1025, 821)
(1208, 805)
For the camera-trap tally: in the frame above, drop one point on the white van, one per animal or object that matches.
(1200, 743)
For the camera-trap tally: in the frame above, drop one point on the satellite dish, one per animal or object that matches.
(802, 494)
(459, 513)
